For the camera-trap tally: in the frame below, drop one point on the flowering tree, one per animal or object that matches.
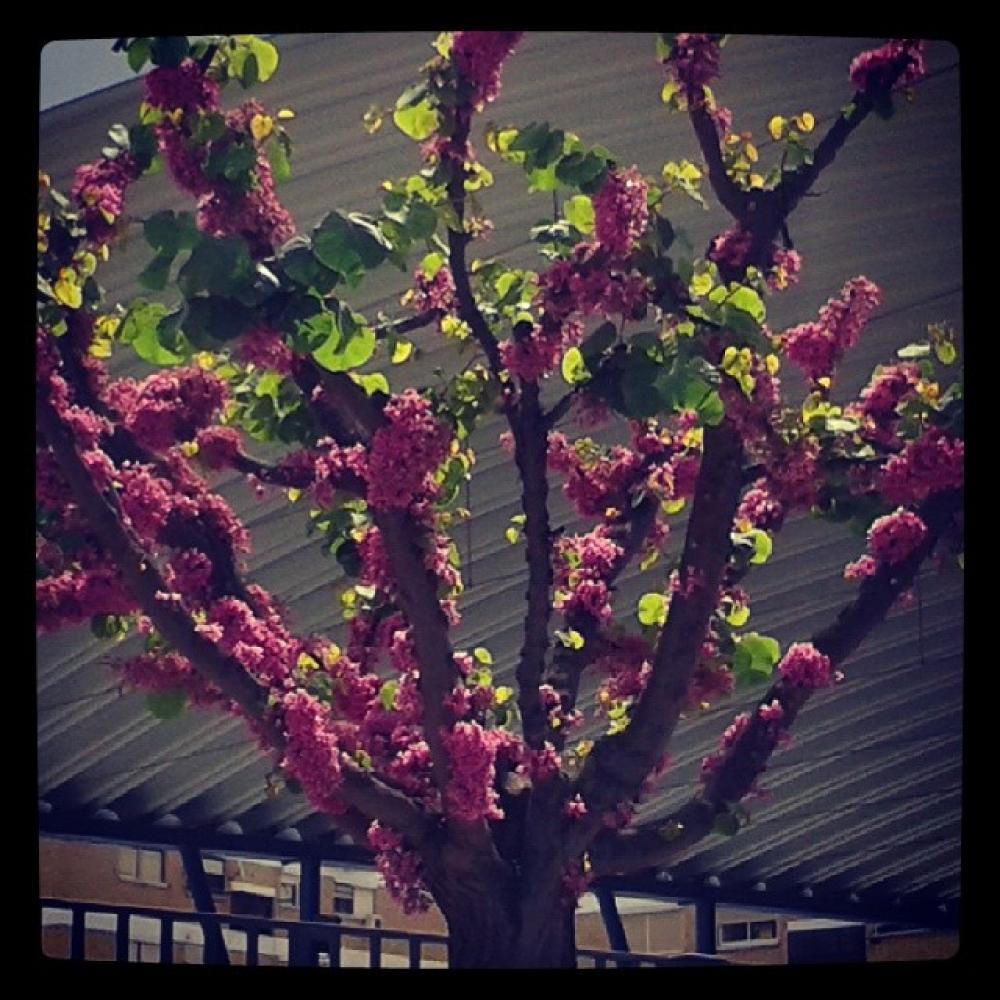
(472, 794)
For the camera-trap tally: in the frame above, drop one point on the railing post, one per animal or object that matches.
(704, 926)
(415, 952)
(215, 945)
(166, 941)
(77, 934)
(122, 937)
(613, 925)
(302, 947)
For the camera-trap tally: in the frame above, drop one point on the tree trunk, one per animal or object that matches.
(484, 933)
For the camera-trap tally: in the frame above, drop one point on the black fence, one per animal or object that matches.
(232, 939)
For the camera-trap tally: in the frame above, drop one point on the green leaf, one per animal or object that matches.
(168, 51)
(387, 695)
(376, 382)
(754, 658)
(652, 609)
(138, 53)
(267, 57)
(581, 170)
(599, 341)
(738, 616)
(219, 267)
(913, 351)
(417, 121)
(746, 300)
(353, 345)
(579, 211)
(762, 547)
(574, 368)
(483, 655)
(571, 639)
(171, 232)
(166, 704)
(348, 244)
(210, 319)
(281, 166)
(156, 273)
(945, 351)
(141, 330)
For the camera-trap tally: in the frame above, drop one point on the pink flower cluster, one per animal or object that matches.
(760, 508)
(219, 447)
(169, 406)
(99, 188)
(185, 87)
(804, 666)
(890, 386)
(694, 62)
(72, 597)
(260, 642)
(731, 248)
(816, 347)
(437, 293)
(312, 755)
(625, 660)
(594, 482)
(621, 213)
(861, 568)
(534, 356)
(711, 764)
(479, 56)
(401, 869)
(266, 349)
(590, 282)
(891, 539)
(931, 464)
(168, 671)
(256, 215)
(405, 452)
(470, 795)
(583, 563)
(900, 62)
(786, 266)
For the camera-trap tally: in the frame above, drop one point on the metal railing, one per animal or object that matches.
(292, 942)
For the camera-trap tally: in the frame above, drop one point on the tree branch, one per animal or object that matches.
(732, 199)
(658, 843)
(615, 769)
(362, 791)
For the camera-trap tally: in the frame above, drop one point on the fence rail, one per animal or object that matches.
(299, 942)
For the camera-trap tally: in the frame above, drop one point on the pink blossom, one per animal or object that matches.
(694, 62)
(575, 808)
(816, 347)
(891, 539)
(266, 349)
(731, 248)
(404, 452)
(759, 507)
(401, 869)
(933, 463)
(771, 713)
(219, 447)
(163, 672)
(900, 58)
(859, 569)
(185, 87)
(620, 210)
(805, 666)
(479, 56)
(470, 795)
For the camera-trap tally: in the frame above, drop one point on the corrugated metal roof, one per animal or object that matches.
(868, 800)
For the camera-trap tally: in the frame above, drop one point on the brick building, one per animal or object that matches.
(155, 878)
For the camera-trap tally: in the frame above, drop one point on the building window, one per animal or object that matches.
(137, 865)
(215, 875)
(143, 951)
(748, 933)
(288, 894)
(343, 899)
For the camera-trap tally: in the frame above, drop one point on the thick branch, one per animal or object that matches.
(658, 843)
(615, 770)
(732, 199)
(530, 452)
